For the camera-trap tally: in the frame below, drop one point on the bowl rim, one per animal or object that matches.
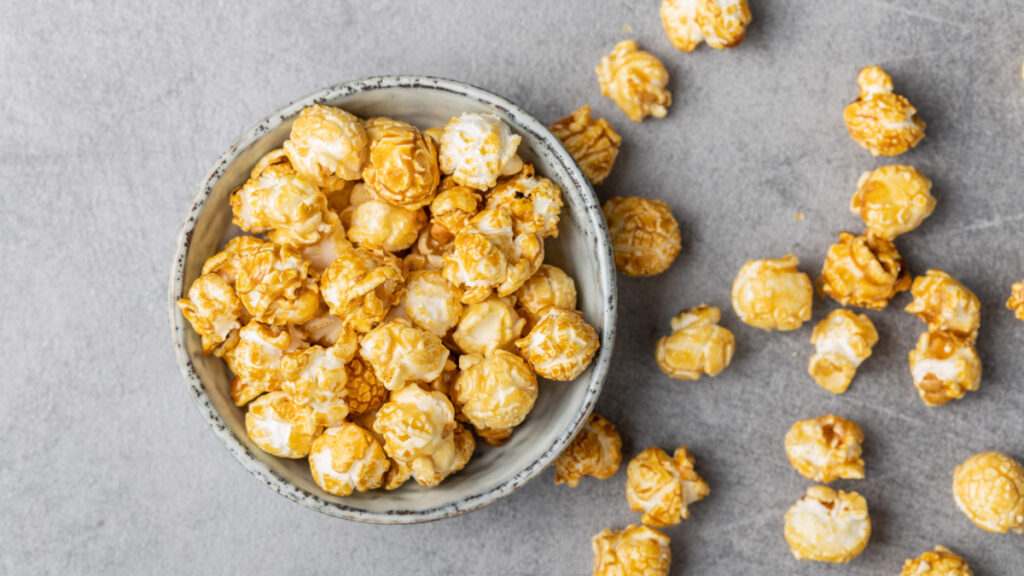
(606, 276)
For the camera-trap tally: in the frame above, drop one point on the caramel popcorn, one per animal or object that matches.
(347, 458)
(864, 271)
(325, 329)
(534, 203)
(465, 444)
(276, 287)
(594, 144)
(316, 377)
(427, 253)
(880, 121)
(361, 286)
(596, 451)
(560, 345)
(723, 23)
(1016, 301)
(363, 392)
(634, 551)
(635, 80)
(494, 393)
(945, 367)
(403, 166)
(945, 304)
(401, 353)
(451, 210)
(488, 325)
(893, 200)
(377, 224)
(939, 562)
(697, 345)
(989, 489)
(228, 262)
(281, 427)
(679, 17)
(326, 250)
(842, 341)
(477, 148)
(213, 309)
(418, 429)
(771, 294)
(828, 526)
(431, 302)
(645, 236)
(326, 144)
(256, 360)
(549, 286)
(826, 448)
(662, 487)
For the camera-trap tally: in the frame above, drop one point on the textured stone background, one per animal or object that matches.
(113, 112)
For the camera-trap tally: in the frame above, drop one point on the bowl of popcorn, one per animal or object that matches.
(393, 300)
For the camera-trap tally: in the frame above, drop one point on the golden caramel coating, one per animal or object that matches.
(633, 551)
(431, 302)
(534, 203)
(279, 426)
(679, 17)
(228, 262)
(418, 429)
(879, 120)
(596, 451)
(989, 489)
(316, 377)
(635, 80)
(451, 210)
(489, 325)
(864, 271)
(364, 393)
(377, 224)
(645, 236)
(944, 367)
(213, 309)
(402, 354)
(893, 200)
(326, 144)
(338, 193)
(477, 148)
(334, 240)
(938, 562)
(828, 526)
(662, 487)
(593, 143)
(697, 345)
(842, 341)
(361, 286)
(256, 359)
(325, 329)
(826, 448)
(723, 23)
(1016, 301)
(276, 287)
(346, 458)
(403, 166)
(771, 294)
(465, 444)
(427, 253)
(560, 345)
(549, 286)
(494, 393)
(945, 304)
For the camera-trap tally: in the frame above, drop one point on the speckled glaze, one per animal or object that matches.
(582, 248)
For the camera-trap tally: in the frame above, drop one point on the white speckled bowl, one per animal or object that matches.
(582, 248)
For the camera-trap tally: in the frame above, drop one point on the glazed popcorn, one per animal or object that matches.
(325, 329)
(333, 241)
(477, 148)
(361, 286)
(418, 429)
(1016, 301)
(880, 121)
(327, 144)
(893, 200)
(560, 345)
(275, 285)
(633, 551)
(534, 203)
(723, 23)
(465, 444)
(256, 359)
(828, 526)
(842, 341)
(989, 489)
(549, 286)
(316, 377)
(281, 427)
(364, 393)
(228, 262)
(451, 210)
(596, 451)
(635, 80)
(213, 309)
(864, 271)
(593, 143)
(403, 167)
(939, 562)
(944, 366)
(488, 325)
(662, 487)
(645, 236)
(494, 393)
(679, 17)
(346, 458)
(379, 225)
(826, 448)
(771, 294)
(431, 302)
(945, 304)
(427, 253)
(402, 354)
(697, 345)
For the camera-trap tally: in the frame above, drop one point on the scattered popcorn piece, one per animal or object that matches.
(945, 366)
(534, 203)
(327, 143)
(596, 451)
(418, 429)
(679, 17)
(494, 393)
(361, 286)
(560, 346)
(256, 360)
(376, 224)
(771, 294)
(593, 143)
(826, 448)
(477, 148)
(645, 236)
(945, 304)
(316, 377)
(451, 211)
(402, 354)
(662, 487)
(489, 325)
(364, 393)
(893, 200)
(842, 341)
(1016, 301)
(828, 526)
(347, 458)
(633, 551)
(550, 286)
(864, 271)
(228, 262)
(276, 287)
(799, 217)
(403, 166)
(281, 427)
(989, 489)
(697, 345)
(431, 302)
(723, 23)
(938, 562)
(879, 120)
(635, 80)
(213, 309)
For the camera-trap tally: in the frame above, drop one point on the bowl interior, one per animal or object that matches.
(581, 249)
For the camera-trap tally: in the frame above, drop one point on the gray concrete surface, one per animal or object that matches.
(113, 112)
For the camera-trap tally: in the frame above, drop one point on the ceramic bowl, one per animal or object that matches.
(582, 249)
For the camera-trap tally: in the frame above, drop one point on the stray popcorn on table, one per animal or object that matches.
(944, 366)
(720, 23)
(938, 562)
(596, 451)
(864, 271)
(879, 120)
(645, 236)
(594, 144)
(662, 487)
(989, 489)
(893, 200)
(771, 294)
(826, 448)
(636, 81)
(632, 551)
(945, 304)
(828, 525)
(347, 458)
(697, 345)
(560, 345)
(1016, 301)
(842, 341)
